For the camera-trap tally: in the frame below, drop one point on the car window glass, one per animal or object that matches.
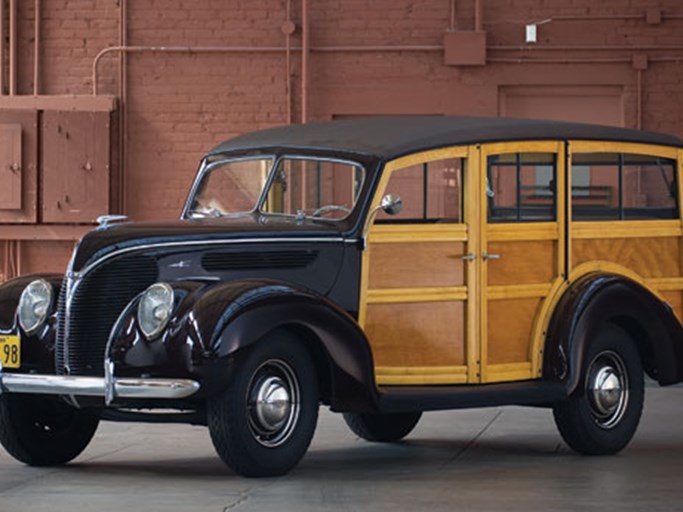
(521, 187)
(622, 186)
(320, 188)
(230, 187)
(430, 191)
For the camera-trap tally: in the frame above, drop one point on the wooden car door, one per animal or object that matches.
(418, 279)
(522, 252)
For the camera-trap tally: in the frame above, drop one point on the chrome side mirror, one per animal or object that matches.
(391, 204)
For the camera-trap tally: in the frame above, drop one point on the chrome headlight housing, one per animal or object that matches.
(155, 308)
(34, 306)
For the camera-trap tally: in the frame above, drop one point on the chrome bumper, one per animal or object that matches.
(106, 387)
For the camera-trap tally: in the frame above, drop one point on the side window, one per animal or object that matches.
(623, 186)
(431, 192)
(520, 187)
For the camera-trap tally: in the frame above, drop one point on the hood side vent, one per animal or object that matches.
(225, 261)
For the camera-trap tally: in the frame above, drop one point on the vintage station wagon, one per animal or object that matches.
(381, 267)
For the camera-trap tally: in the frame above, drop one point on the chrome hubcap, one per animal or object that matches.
(273, 403)
(607, 389)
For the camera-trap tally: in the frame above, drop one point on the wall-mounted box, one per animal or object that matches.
(10, 166)
(465, 48)
(18, 166)
(76, 174)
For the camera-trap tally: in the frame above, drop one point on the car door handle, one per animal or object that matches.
(487, 256)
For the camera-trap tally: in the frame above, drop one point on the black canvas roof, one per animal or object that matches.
(390, 137)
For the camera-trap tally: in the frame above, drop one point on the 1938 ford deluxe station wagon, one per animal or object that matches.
(382, 267)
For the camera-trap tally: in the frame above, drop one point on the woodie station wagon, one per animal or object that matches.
(381, 267)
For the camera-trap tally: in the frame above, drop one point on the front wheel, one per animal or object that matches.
(263, 423)
(44, 431)
(604, 416)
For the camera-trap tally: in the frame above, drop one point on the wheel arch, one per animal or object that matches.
(252, 311)
(597, 298)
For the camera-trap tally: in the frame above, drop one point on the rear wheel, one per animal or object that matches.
(383, 428)
(44, 431)
(263, 423)
(603, 417)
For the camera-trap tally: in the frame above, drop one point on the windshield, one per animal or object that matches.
(303, 187)
(230, 186)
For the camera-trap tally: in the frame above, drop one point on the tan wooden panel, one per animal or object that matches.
(648, 257)
(509, 325)
(417, 334)
(406, 265)
(522, 262)
(675, 299)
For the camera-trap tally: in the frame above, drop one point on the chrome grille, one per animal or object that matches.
(96, 303)
(61, 315)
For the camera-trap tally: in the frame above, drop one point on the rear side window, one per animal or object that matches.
(623, 186)
(521, 187)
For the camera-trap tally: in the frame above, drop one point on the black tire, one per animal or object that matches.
(601, 418)
(382, 428)
(268, 440)
(44, 431)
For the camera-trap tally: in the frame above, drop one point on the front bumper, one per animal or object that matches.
(107, 387)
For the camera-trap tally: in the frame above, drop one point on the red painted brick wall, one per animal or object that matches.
(178, 105)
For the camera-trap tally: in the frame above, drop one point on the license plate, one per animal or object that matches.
(10, 351)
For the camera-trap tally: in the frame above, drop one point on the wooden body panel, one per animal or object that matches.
(415, 334)
(471, 302)
(648, 257)
(403, 265)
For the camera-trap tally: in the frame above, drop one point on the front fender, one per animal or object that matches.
(215, 324)
(37, 350)
(596, 299)
(253, 309)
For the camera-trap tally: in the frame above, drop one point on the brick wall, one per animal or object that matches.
(179, 105)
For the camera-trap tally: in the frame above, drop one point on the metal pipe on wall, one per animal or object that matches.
(12, 47)
(478, 15)
(288, 62)
(453, 21)
(639, 99)
(305, 51)
(36, 47)
(123, 118)
(176, 49)
(2, 47)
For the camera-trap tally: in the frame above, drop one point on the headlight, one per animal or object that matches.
(34, 305)
(155, 308)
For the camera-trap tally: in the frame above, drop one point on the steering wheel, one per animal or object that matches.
(331, 208)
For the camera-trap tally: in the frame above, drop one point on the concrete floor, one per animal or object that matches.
(491, 459)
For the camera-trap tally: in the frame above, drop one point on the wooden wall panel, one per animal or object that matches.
(648, 257)
(415, 334)
(522, 262)
(407, 265)
(675, 299)
(509, 326)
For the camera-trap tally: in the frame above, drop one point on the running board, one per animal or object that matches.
(395, 399)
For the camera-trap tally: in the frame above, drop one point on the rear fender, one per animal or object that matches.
(596, 299)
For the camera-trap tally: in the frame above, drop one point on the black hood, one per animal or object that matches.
(101, 241)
